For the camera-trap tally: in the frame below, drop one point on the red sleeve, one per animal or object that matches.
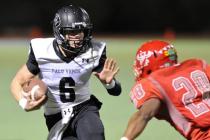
(208, 71)
(142, 91)
(206, 68)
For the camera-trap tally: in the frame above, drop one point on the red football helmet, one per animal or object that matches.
(153, 55)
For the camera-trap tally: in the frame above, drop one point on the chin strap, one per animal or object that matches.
(70, 53)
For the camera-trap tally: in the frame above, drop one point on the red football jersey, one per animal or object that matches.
(184, 90)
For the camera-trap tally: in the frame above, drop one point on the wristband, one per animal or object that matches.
(23, 102)
(124, 138)
(111, 85)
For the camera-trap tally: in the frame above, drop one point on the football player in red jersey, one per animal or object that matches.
(167, 90)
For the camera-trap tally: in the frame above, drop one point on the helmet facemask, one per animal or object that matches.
(74, 41)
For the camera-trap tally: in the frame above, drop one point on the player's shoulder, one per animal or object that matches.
(144, 90)
(145, 84)
(42, 46)
(149, 87)
(98, 44)
(180, 67)
(41, 41)
(194, 62)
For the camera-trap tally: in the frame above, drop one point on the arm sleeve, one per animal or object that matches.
(101, 62)
(208, 71)
(142, 91)
(31, 63)
(116, 90)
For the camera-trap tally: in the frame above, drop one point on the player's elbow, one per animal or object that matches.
(13, 86)
(146, 116)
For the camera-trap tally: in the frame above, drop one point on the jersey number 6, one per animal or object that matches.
(66, 88)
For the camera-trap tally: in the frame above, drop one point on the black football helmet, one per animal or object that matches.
(72, 19)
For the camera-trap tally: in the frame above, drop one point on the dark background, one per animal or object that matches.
(110, 16)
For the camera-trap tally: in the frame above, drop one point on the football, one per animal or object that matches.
(36, 87)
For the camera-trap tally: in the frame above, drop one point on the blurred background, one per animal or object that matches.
(123, 25)
(24, 17)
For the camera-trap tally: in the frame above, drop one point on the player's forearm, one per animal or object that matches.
(22, 76)
(114, 88)
(16, 89)
(135, 126)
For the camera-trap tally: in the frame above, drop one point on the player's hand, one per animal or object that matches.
(109, 71)
(33, 104)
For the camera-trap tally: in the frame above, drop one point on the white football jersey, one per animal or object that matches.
(68, 83)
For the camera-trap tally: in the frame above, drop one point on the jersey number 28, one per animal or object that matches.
(199, 82)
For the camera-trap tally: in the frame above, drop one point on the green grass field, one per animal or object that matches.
(15, 124)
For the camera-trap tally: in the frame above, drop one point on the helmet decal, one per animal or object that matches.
(143, 57)
(171, 53)
(57, 20)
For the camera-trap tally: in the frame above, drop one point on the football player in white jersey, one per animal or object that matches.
(65, 63)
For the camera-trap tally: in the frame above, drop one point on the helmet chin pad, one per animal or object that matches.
(70, 51)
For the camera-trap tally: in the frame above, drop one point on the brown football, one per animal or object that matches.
(36, 87)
